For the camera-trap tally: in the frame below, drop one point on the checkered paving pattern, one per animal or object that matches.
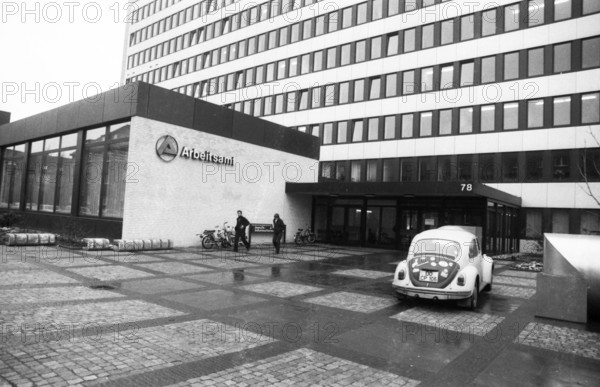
(505, 280)
(513, 291)
(110, 273)
(561, 339)
(454, 320)
(31, 277)
(172, 267)
(367, 274)
(353, 301)
(113, 312)
(521, 273)
(303, 367)
(92, 356)
(223, 263)
(281, 289)
(44, 295)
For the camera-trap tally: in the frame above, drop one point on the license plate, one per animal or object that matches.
(428, 276)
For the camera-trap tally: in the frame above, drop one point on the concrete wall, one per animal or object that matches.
(181, 198)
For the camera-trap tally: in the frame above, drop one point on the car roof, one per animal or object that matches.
(455, 233)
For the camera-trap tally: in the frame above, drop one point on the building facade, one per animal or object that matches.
(498, 93)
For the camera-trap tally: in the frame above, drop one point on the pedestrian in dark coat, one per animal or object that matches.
(278, 229)
(240, 231)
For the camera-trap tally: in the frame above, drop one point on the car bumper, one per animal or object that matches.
(435, 294)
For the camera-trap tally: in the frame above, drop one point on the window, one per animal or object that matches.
(371, 170)
(344, 94)
(375, 88)
(307, 29)
(390, 170)
(13, 165)
(295, 33)
(332, 22)
(447, 77)
(331, 57)
(535, 62)
(293, 67)
(562, 57)
(359, 90)
(342, 132)
(355, 171)
(281, 67)
(328, 133)
(408, 170)
(320, 25)
(488, 22)
(377, 9)
(283, 36)
(511, 116)
(340, 171)
(357, 131)
(330, 95)
(467, 27)
(510, 167)
(427, 169)
(393, 7)
(279, 104)
(446, 169)
(373, 129)
(392, 44)
(303, 105)
(361, 51)
(535, 113)
(590, 6)
(487, 167)
(347, 17)
(408, 82)
(361, 13)
(589, 163)
(560, 165)
(427, 79)
(466, 120)
(316, 97)
(327, 170)
(391, 87)
(291, 101)
(376, 47)
(410, 5)
(426, 122)
(590, 108)
(465, 167)
(318, 61)
(535, 11)
(305, 65)
(427, 36)
(445, 122)
(390, 127)
(407, 125)
(345, 56)
(511, 17)
(511, 66)
(409, 40)
(467, 70)
(562, 111)
(447, 32)
(533, 166)
(591, 52)
(560, 221)
(562, 9)
(488, 69)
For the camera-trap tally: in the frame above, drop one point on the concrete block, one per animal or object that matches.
(561, 298)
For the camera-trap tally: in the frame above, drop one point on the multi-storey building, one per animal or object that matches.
(429, 112)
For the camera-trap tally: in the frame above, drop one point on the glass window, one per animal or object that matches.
(355, 171)
(467, 27)
(511, 66)
(316, 97)
(283, 36)
(589, 164)
(342, 132)
(488, 22)
(533, 221)
(392, 44)
(332, 21)
(116, 176)
(465, 167)
(377, 9)
(590, 108)
(373, 129)
(359, 90)
(488, 69)
(487, 167)
(426, 122)
(590, 6)
(361, 51)
(467, 70)
(562, 111)
(409, 40)
(535, 113)
(560, 221)
(13, 165)
(390, 170)
(318, 61)
(466, 120)
(345, 56)
(446, 169)
(427, 169)
(510, 167)
(560, 165)
(305, 65)
(307, 29)
(410, 5)
(344, 94)
(393, 7)
(391, 87)
(427, 79)
(562, 57)
(330, 95)
(533, 166)
(535, 10)
(293, 67)
(375, 88)
(427, 37)
(281, 67)
(407, 125)
(328, 133)
(340, 171)
(447, 77)
(376, 47)
(562, 9)
(331, 57)
(320, 25)
(408, 82)
(327, 170)
(371, 170)
(357, 131)
(445, 122)
(447, 32)
(535, 62)
(511, 116)
(361, 13)
(591, 52)
(511, 17)
(408, 170)
(390, 127)
(295, 33)
(347, 17)
(279, 104)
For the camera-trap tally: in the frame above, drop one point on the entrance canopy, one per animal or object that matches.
(407, 190)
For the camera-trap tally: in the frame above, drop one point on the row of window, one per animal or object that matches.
(51, 168)
(141, 13)
(452, 30)
(538, 113)
(540, 166)
(563, 221)
(546, 60)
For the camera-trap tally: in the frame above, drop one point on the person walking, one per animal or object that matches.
(278, 228)
(240, 231)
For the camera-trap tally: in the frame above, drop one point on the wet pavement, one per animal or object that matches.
(313, 315)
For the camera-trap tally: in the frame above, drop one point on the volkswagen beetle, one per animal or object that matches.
(444, 264)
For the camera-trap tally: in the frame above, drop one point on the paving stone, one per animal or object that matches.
(353, 301)
(521, 273)
(30, 277)
(513, 291)
(561, 339)
(172, 267)
(110, 273)
(222, 263)
(506, 280)
(367, 274)
(158, 285)
(281, 289)
(44, 295)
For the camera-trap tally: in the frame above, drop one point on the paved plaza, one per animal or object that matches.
(313, 315)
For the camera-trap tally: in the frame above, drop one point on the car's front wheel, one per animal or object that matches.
(474, 299)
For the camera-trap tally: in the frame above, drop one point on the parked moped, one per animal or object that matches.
(305, 235)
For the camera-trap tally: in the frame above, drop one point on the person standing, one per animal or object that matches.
(278, 228)
(240, 231)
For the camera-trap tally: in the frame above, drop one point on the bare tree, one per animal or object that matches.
(589, 168)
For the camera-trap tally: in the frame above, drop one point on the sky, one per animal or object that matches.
(56, 52)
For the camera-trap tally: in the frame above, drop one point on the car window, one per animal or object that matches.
(440, 247)
(473, 249)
